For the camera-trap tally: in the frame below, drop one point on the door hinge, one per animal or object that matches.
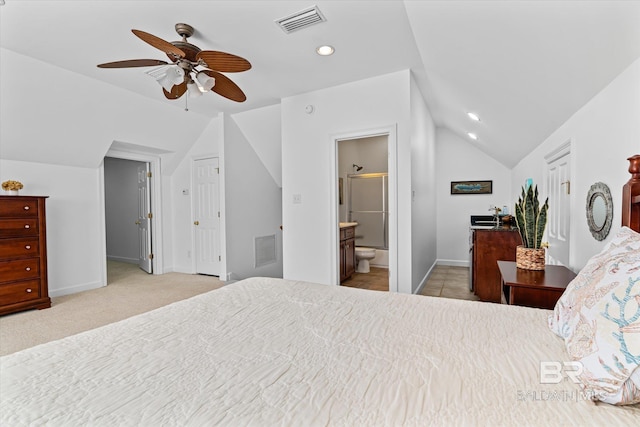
(218, 171)
(219, 257)
(218, 214)
(149, 215)
(150, 256)
(149, 174)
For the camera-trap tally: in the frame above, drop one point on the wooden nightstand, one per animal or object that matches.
(534, 288)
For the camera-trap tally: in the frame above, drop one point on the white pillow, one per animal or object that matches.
(598, 316)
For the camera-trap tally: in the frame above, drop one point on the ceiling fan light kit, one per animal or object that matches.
(207, 82)
(192, 69)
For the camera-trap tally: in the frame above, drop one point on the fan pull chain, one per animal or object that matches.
(186, 103)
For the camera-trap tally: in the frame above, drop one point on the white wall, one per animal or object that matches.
(603, 134)
(460, 160)
(74, 229)
(308, 156)
(252, 206)
(423, 189)
(74, 120)
(121, 209)
(261, 127)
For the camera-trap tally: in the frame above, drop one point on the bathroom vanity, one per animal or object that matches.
(347, 250)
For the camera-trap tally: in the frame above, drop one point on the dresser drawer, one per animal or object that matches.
(19, 248)
(11, 293)
(19, 208)
(19, 227)
(347, 233)
(19, 269)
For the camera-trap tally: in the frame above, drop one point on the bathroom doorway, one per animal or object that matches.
(363, 198)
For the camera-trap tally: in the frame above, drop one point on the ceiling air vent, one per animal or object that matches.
(300, 20)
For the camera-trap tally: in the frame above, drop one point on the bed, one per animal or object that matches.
(278, 352)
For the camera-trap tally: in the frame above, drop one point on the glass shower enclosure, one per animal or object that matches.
(368, 205)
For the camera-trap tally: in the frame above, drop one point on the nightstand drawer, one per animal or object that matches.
(19, 208)
(19, 248)
(19, 269)
(19, 291)
(19, 227)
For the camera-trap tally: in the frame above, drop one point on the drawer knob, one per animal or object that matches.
(26, 208)
(27, 226)
(27, 247)
(29, 290)
(28, 268)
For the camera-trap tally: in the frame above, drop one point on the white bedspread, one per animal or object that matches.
(273, 352)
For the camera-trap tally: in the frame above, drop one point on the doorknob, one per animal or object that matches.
(138, 222)
(196, 222)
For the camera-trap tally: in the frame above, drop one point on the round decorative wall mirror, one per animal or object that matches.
(599, 210)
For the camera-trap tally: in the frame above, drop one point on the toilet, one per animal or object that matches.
(363, 256)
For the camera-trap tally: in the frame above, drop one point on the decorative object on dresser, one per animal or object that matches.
(23, 254)
(12, 187)
(531, 221)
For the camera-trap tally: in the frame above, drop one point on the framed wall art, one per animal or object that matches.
(471, 187)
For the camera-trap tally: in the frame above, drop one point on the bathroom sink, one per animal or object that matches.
(348, 224)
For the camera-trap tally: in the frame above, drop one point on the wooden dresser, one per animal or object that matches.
(489, 246)
(23, 254)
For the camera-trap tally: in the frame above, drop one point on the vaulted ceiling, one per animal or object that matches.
(523, 66)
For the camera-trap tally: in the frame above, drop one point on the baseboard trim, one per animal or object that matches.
(453, 262)
(74, 289)
(425, 278)
(122, 259)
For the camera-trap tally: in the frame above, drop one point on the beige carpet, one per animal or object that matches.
(130, 291)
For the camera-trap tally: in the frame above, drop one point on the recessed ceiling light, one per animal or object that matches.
(473, 116)
(472, 136)
(325, 50)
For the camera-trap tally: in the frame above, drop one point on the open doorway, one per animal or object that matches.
(128, 213)
(137, 157)
(366, 182)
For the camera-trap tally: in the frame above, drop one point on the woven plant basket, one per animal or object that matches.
(529, 258)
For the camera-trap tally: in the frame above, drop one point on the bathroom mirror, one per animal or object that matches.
(599, 210)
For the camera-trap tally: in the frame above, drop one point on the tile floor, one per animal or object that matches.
(445, 281)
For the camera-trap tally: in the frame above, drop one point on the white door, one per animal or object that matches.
(206, 219)
(558, 182)
(145, 255)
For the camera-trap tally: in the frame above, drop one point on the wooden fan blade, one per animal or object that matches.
(158, 43)
(225, 87)
(132, 63)
(224, 62)
(176, 91)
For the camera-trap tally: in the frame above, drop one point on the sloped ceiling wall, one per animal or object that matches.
(51, 115)
(263, 130)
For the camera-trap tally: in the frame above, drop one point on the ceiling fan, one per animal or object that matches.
(191, 69)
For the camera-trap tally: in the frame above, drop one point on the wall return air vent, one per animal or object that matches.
(302, 19)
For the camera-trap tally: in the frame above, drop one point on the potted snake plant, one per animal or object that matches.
(531, 220)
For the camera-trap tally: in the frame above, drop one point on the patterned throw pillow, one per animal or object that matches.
(599, 318)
